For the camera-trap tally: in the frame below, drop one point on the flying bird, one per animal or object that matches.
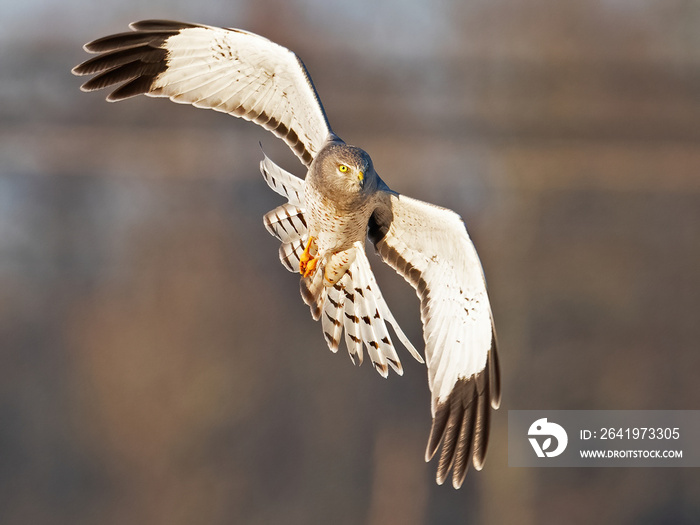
(329, 214)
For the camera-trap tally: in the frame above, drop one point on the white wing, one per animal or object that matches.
(429, 246)
(228, 70)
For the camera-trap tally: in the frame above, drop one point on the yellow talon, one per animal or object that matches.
(311, 267)
(307, 262)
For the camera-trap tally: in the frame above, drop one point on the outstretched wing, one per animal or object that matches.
(429, 246)
(227, 70)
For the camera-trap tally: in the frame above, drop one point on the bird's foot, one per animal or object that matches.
(308, 262)
(308, 268)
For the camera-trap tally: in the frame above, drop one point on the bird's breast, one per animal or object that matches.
(335, 225)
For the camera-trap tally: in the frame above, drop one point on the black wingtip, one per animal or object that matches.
(461, 428)
(442, 412)
(133, 59)
(161, 25)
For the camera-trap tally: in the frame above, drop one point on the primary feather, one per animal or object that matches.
(227, 70)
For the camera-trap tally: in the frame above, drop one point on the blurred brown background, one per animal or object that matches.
(157, 364)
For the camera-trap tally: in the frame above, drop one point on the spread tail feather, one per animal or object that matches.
(356, 305)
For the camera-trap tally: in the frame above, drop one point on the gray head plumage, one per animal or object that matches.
(341, 169)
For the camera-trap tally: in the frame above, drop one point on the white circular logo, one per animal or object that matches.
(541, 433)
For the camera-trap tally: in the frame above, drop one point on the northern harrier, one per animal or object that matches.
(327, 216)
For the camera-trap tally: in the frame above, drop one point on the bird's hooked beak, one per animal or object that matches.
(361, 178)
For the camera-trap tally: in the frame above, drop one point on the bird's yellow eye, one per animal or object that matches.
(343, 168)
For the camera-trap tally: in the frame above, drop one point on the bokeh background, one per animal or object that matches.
(157, 364)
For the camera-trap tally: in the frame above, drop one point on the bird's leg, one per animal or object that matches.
(307, 261)
(338, 264)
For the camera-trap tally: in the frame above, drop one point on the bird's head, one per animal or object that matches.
(344, 171)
